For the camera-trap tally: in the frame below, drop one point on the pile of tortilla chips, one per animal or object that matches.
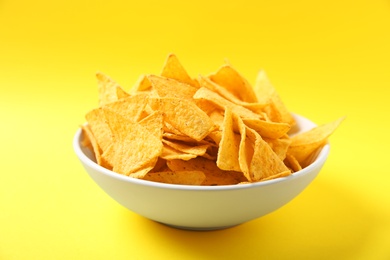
(210, 130)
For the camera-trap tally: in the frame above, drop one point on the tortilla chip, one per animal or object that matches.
(306, 143)
(185, 116)
(229, 146)
(230, 79)
(177, 177)
(107, 89)
(166, 87)
(265, 91)
(135, 147)
(174, 70)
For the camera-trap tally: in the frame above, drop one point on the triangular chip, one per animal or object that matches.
(130, 107)
(265, 91)
(197, 150)
(167, 87)
(107, 89)
(121, 93)
(214, 175)
(221, 103)
(304, 144)
(253, 106)
(135, 147)
(185, 116)
(279, 145)
(230, 79)
(267, 129)
(229, 146)
(142, 84)
(154, 124)
(174, 70)
(95, 147)
(265, 163)
(99, 127)
(177, 177)
(169, 153)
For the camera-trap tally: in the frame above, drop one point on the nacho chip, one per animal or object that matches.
(142, 85)
(167, 87)
(177, 177)
(90, 140)
(135, 147)
(185, 116)
(267, 128)
(306, 143)
(174, 70)
(253, 106)
(291, 162)
(130, 107)
(169, 153)
(265, 91)
(107, 89)
(121, 93)
(229, 146)
(221, 103)
(197, 150)
(230, 79)
(279, 145)
(99, 127)
(265, 163)
(214, 175)
(154, 124)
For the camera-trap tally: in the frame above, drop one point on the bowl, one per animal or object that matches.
(201, 207)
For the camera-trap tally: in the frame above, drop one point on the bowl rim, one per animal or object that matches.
(319, 160)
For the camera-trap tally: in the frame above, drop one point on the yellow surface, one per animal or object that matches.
(326, 58)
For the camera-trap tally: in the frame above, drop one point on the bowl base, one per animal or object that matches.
(197, 228)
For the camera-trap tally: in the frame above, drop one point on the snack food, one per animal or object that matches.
(210, 130)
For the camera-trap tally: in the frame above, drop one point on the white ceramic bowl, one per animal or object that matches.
(201, 207)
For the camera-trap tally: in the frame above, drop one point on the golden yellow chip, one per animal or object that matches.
(214, 175)
(154, 124)
(257, 159)
(179, 137)
(107, 89)
(229, 146)
(99, 127)
(174, 70)
(169, 153)
(306, 143)
(229, 78)
(214, 130)
(135, 147)
(221, 103)
(121, 93)
(142, 85)
(185, 116)
(166, 87)
(265, 91)
(90, 141)
(268, 128)
(257, 107)
(130, 107)
(197, 150)
(177, 177)
(292, 163)
(216, 136)
(217, 116)
(265, 162)
(279, 145)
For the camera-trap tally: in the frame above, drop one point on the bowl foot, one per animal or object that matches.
(197, 228)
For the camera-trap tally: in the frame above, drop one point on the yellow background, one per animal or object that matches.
(326, 59)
